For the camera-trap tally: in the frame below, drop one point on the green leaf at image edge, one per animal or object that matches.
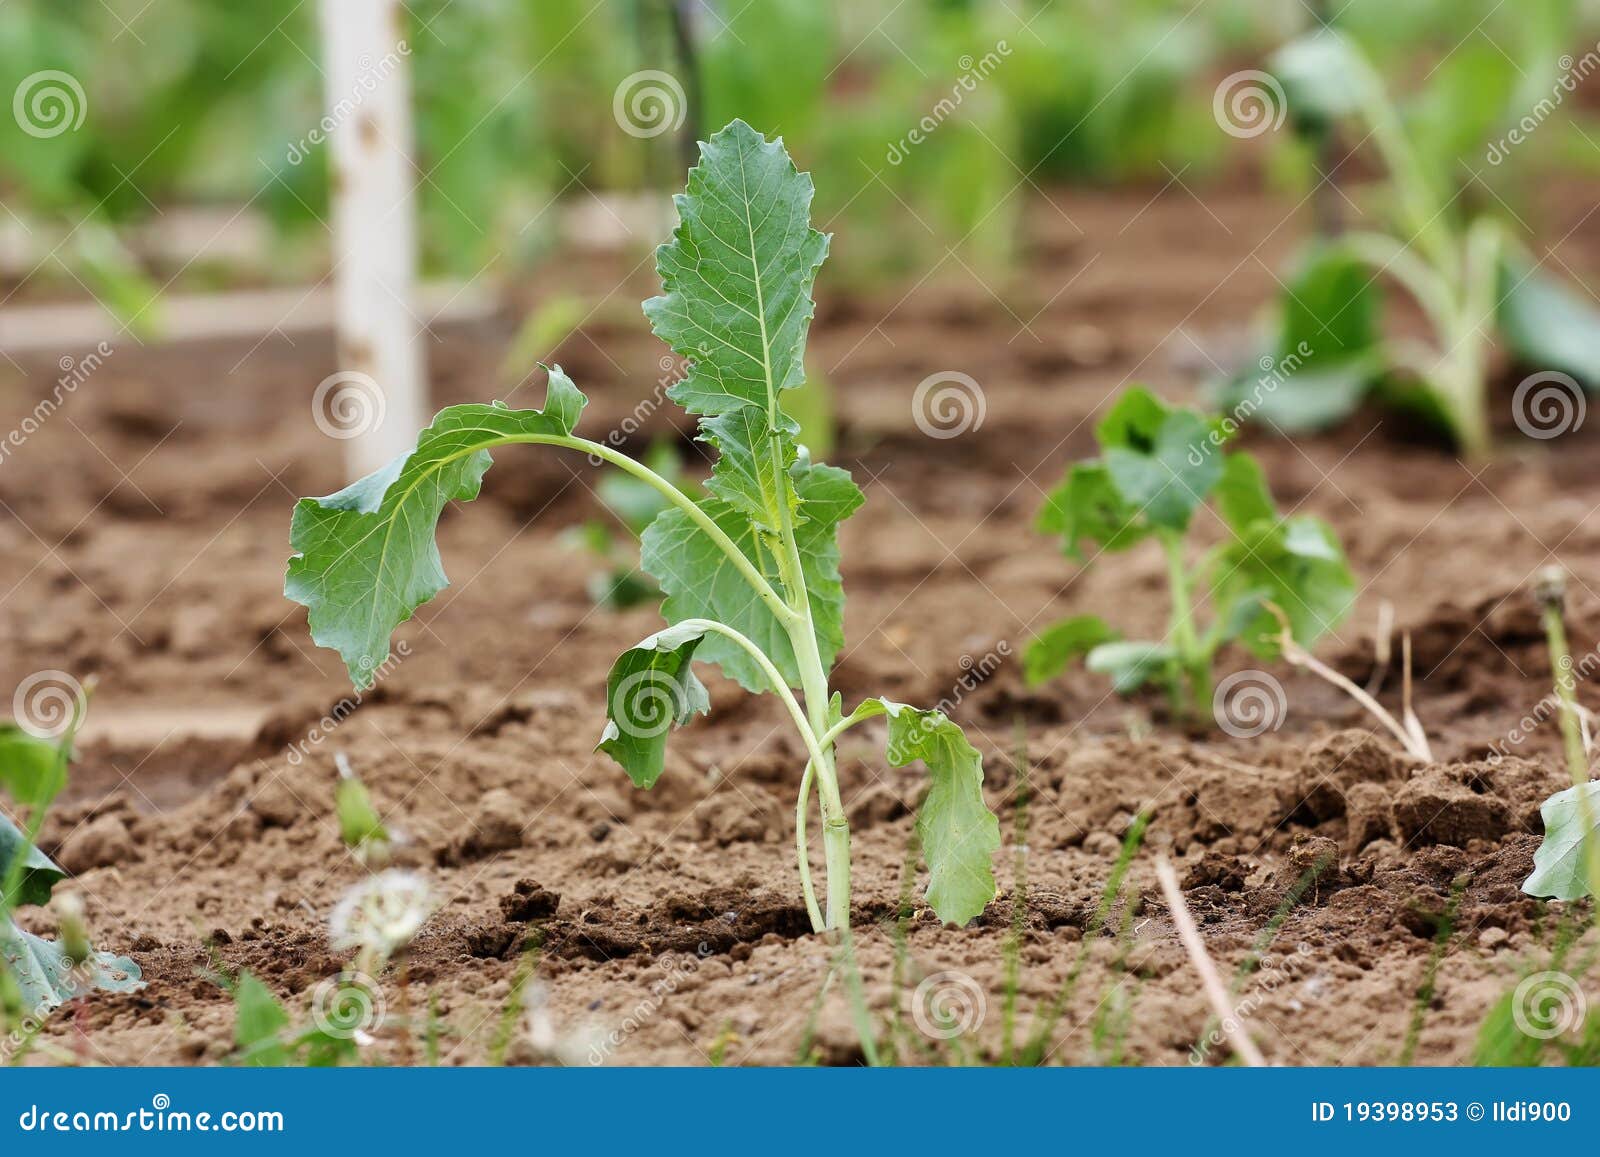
(47, 979)
(1559, 867)
(39, 872)
(1056, 647)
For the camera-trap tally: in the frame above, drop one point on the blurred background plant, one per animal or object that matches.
(937, 117)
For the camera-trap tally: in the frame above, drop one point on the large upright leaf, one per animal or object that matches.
(366, 558)
(651, 690)
(958, 832)
(737, 276)
(1559, 867)
(700, 581)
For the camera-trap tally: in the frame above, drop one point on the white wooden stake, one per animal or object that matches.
(377, 401)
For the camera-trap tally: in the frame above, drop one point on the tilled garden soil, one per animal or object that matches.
(145, 534)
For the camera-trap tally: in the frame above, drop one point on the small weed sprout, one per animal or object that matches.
(749, 573)
(1158, 465)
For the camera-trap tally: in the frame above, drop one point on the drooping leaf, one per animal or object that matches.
(39, 872)
(700, 581)
(1130, 664)
(1162, 459)
(366, 558)
(1547, 325)
(48, 979)
(958, 832)
(1298, 565)
(651, 689)
(1088, 505)
(1056, 647)
(1559, 865)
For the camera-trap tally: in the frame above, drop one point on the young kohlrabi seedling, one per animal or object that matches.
(1158, 465)
(750, 572)
(1469, 276)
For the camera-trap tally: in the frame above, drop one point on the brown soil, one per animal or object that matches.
(144, 540)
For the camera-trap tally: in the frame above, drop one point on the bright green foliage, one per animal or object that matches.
(1159, 465)
(1560, 869)
(749, 571)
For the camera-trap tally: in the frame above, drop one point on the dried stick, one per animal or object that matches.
(1209, 980)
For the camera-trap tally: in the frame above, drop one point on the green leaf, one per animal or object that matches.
(1559, 867)
(258, 1024)
(700, 581)
(651, 690)
(1242, 495)
(1130, 664)
(1049, 654)
(31, 768)
(1088, 505)
(1162, 460)
(738, 275)
(1298, 565)
(958, 832)
(366, 557)
(1319, 78)
(1331, 307)
(1547, 325)
(48, 979)
(39, 872)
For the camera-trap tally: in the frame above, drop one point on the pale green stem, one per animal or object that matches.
(802, 851)
(1195, 663)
